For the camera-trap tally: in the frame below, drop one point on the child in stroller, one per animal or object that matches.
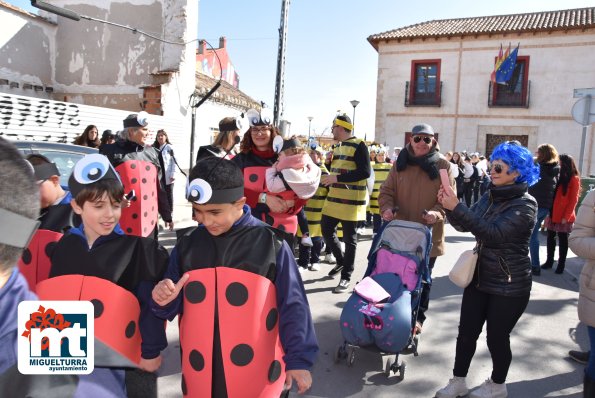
(381, 313)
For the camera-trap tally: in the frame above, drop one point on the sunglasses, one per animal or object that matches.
(427, 140)
(497, 168)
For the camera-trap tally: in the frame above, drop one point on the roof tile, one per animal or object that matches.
(578, 18)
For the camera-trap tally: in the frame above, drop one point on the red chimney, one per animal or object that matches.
(222, 42)
(201, 46)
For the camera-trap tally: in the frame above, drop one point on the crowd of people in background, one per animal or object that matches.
(298, 197)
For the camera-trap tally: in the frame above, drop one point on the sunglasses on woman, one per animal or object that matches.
(427, 140)
(497, 168)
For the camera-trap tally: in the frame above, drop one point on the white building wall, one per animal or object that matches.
(559, 62)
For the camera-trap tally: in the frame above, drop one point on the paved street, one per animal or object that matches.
(540, 342)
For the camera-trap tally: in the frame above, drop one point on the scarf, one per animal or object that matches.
(427, 162)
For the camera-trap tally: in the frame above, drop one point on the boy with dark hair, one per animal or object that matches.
(245, 323)
(122, 268)
(17, 226)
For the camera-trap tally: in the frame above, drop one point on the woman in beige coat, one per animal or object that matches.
(582, 243)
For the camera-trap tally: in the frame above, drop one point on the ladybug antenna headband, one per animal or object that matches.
(201, 192)
(90, 169)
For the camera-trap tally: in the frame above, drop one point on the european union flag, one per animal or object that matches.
(504, 72)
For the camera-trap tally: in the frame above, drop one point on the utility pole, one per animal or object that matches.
(280, 80)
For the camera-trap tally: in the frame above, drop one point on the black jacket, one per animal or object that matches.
(502, 222)
(544, 190)
(123, 150)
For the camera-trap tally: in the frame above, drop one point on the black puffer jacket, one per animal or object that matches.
(544, 190)
(502, 221)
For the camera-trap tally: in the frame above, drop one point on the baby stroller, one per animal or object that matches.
(382, 311)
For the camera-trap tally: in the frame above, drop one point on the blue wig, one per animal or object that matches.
(518, 158)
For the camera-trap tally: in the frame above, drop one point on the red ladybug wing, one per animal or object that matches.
(249, 325)
(116, 309)
(35, 262)
(139, 219)
(197, 333)
(254, 184)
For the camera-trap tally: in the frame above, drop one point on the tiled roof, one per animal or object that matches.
(226, 93)
(578, 18)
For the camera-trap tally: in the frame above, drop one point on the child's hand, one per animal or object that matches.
(302, 377)
(166, 290)
(150, 365)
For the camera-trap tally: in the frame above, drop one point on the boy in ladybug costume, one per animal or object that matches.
(56, 217)
(245, 324)
(116, 272)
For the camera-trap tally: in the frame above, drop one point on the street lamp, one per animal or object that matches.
(354, 103)
(309, 125)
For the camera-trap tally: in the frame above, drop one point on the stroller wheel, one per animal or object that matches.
(388, 367)
(402, 368)
(351, 359)
(340, 353)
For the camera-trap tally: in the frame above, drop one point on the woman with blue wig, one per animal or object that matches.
(501, 221)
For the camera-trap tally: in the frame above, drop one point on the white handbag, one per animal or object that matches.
(461, 273)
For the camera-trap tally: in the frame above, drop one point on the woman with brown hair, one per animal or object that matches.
(255, 157)
(90, 137)
(543, 192)
(229, 131)
(561, 219)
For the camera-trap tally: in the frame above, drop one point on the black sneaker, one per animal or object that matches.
(580, 356)
(335, 270)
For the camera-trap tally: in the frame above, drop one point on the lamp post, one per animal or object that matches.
(309, 125)
(354, 103)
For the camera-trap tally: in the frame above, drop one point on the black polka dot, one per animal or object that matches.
(130, 329)
(134, 215)
(281, 227)
(133, 181)
(97, 307)
(152, 208)
(152, 193)
(133, 166)
(129, 230)
(242, 355)
(236, 294)
(253, 177)
(26, 257)
(152, 222)
(184, 388)
(195, 292)
(134, 198)
(272, 317)
(147, 168)
(274, 371)
(146, 214)
(145, 197)
(49, 249)
(144, 180)
(197, 361)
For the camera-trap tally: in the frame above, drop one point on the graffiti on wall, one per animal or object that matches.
(18, 111)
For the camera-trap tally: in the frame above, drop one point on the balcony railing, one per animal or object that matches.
(501, 97)
(413, 98)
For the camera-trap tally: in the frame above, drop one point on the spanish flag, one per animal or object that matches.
(501, 57)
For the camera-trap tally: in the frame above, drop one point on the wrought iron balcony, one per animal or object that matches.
(501, 96)
(413, 98)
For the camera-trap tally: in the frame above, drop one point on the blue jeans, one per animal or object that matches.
(590, 369)
(534, 242)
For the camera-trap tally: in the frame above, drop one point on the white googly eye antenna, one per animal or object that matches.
(199, 191)
(253, 117)
(91, 168)
(277, 144)
(142, 118)
(266, 116)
